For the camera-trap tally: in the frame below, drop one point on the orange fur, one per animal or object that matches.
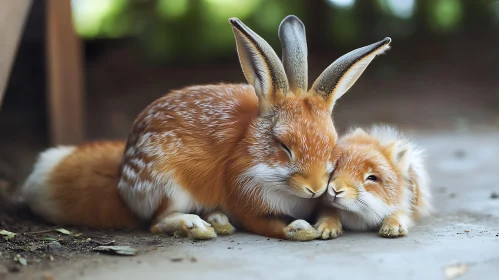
(83, 187)
(201, 170)
(348, 174)
(366, 154)
(250, 211)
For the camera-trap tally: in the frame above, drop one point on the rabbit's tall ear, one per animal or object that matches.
(294, 53)
(344, 72)
(260, 64)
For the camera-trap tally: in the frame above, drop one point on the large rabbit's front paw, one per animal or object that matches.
(220, 222)
(301, 230)
(185, 225)
(329, 228)
(196, 228)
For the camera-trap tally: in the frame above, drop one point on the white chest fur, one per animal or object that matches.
(268, 185)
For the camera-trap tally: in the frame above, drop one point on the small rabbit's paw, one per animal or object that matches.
(184, 225)
(301, 230)
(392, 228)
(220, 222)
(329, 229)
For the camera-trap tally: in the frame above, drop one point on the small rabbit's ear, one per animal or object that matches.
(294, 53)
(261, 65)
(400, 152)
(359, 132)
(344, 72)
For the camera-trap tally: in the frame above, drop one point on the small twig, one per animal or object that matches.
(39, 232)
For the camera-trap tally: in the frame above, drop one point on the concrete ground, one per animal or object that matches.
(460, 240)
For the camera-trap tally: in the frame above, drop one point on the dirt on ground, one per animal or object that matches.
(41, 246)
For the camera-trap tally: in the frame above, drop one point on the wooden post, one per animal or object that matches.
(13, 14)
(65, 74)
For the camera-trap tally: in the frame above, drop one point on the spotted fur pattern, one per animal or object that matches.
(205, 149)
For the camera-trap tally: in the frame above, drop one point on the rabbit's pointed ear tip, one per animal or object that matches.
(233, 20)
(291, 18)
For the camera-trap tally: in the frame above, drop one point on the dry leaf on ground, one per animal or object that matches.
(120, 250)
(7, 234)
(21, 260)
(63, 231)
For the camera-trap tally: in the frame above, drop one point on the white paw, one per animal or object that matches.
(218, 218)
(298, 225)
(193, 221)
(301, 230)
(220, 222)
(188, 225)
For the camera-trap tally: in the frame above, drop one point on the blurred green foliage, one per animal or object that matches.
(167, 29)
(444, 15)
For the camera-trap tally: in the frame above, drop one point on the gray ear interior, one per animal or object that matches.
(260, 63)
(343, 72)
(294, 53)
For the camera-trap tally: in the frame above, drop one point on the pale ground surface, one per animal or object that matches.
(465, 172)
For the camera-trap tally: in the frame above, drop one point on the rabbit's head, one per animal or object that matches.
(293, 141)
(372, 174)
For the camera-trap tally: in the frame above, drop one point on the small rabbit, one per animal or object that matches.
(379, 183)
(261, 152)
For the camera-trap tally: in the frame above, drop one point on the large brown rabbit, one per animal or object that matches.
(261, 152)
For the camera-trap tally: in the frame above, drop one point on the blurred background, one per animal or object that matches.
(442, 73)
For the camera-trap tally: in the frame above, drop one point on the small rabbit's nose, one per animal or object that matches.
(337, 192)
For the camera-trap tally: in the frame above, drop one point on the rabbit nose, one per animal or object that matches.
(314, 192)
(310, 190)
(337, 192)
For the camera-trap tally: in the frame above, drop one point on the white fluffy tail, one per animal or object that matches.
(36, 190)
